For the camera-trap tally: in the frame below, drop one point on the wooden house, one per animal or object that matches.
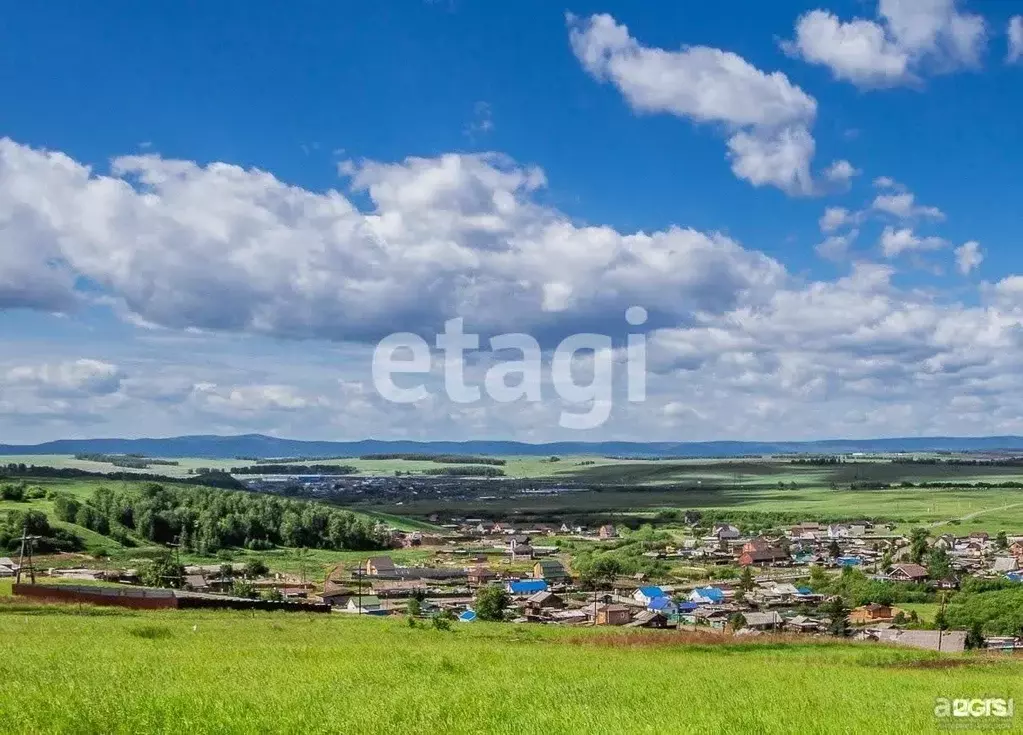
(480, 575)
(550, 569)
(537, 603)
(872, 613)
(613, 615)
(764, 557)
(521, 552)
(907, 573)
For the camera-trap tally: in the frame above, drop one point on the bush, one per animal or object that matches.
(240, 588)
(255, 568)
(442, 620)
(161, 572)
(12, 492)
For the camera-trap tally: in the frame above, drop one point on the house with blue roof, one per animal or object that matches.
(644, 594)
(662, 605)
(468, 616)
(526, 586)
(849, 561)
(707, 596)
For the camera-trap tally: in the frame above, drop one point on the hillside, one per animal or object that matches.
(257, 445)
(112, 671)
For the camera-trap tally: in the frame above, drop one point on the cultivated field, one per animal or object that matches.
(119, 671)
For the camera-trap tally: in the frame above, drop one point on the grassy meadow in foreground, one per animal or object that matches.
(122, 671)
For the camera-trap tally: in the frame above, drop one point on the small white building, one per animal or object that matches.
(1005, 564)
(7, 567)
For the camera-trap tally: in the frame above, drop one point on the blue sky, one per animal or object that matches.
(171, 293)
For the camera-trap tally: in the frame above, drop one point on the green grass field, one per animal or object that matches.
(112, 671)
(926, 610)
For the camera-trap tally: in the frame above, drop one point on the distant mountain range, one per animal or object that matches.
(259, 446)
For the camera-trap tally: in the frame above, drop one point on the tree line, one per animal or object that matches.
(443, 458)
(295, 469)
(960, 462)
(466, 471)
(206, 521)
(209, 478)
(130, 461)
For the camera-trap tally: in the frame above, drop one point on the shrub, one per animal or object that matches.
(442, 620)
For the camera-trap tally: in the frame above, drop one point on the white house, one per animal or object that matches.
(370, 603)
(644, 595)
(838, 531)
(707, 596)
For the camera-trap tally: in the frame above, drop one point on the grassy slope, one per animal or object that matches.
(78, 488)
(315, 563)
(229, 672)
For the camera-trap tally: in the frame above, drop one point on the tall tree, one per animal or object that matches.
(491, 602)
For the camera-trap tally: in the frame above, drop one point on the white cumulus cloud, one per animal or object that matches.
(841, 172)
(904, 206)
(836, 247)
(908, 39)
(83, 376)
(894, 242)
(218, 247)
(767, 117)
(835, 218)
(968, 257)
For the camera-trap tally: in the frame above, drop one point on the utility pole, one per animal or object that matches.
(358, 576)
(27, 542)
(942, 614)
(176, 545)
